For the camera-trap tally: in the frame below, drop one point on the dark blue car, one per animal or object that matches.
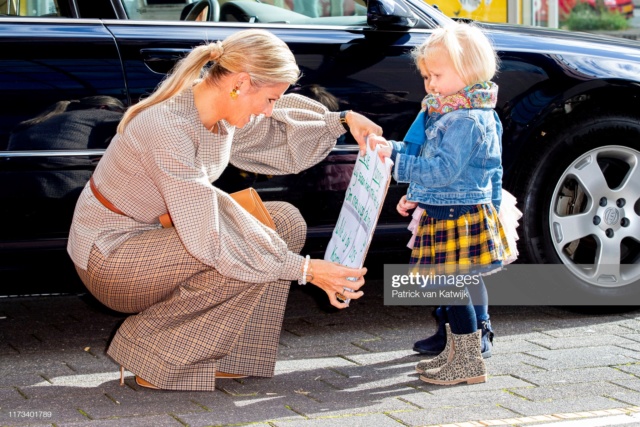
(569, 104)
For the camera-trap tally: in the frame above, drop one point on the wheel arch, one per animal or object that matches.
(564, 109)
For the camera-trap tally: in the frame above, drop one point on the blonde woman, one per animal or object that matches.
(209, 293)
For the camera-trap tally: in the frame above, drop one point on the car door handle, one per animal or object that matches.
(161, 60)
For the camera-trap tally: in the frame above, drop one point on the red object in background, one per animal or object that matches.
(624, 7)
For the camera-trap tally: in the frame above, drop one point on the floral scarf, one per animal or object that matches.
(479, 95)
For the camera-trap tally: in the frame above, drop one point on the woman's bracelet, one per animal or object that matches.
(343, 119)
(303, 280)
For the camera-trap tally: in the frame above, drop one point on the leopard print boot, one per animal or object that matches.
(441, 359)
(467, 364)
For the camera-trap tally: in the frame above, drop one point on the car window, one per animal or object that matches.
(44, 8)
(299, 12)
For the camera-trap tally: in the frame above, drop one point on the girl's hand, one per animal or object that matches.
(404, 206)
(360, 128)
(332, 278)
(384, 149)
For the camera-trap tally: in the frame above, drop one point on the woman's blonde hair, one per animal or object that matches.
(265, 57)
(473, 57)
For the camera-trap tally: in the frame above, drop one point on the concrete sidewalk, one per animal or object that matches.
(335, 368)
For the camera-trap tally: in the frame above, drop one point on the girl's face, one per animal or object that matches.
(253, 101)
(424, 72)
(442, 79)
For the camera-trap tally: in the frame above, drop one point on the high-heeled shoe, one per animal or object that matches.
(139, 381)
(220, 374)
(145, 384)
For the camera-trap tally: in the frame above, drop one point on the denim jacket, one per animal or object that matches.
(459, 160)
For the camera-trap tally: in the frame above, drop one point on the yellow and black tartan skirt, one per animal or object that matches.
(475, 239)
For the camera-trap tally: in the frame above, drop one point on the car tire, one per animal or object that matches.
(572, 213)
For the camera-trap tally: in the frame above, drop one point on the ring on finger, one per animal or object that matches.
(340, 297)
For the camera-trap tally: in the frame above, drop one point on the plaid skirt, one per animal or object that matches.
(475, 239)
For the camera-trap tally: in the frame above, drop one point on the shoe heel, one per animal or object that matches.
(121, 375)
(477, 380)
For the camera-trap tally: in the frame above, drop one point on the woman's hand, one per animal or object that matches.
(332, 278)
(404, 206)
(384, 149)
(360, 128)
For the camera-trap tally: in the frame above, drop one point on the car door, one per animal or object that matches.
(50, 62)
(345, 64)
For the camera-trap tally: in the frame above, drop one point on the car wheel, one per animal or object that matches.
(582, 208)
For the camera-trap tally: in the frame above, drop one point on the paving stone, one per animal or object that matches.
(563, 391)
(635, 347)
(498, 382)
(46, 408)
(569, 376)
(511, 346)
(287, 366)
(581, 342)
(633, 337)
(628, 384)
(132, 401)
(284, 384)
(241, 410)
(631, 368)
(22, 370)
(27, 421)
(579, 329)
(452, 414)
(583, 357)
(355, 383)
(305, 335)
(378, 420)
(464, 397)
(388, 344)
(505, 364)
(143, 421)
(517, 332)
(338, 350)
(341, 403)
(396, 356)
(583, 403)
(7, 349)
(625, 398)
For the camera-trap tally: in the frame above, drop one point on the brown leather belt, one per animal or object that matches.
(107, 204)
(165, 219)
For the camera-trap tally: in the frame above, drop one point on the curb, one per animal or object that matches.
(539, 418)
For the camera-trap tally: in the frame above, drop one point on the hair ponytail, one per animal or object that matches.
(185, 72)
(259, 53)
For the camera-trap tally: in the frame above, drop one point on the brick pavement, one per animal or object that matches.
(335, 368)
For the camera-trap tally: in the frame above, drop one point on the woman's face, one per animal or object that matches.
(253, 101)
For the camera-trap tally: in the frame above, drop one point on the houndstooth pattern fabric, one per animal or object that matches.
(166, 160)
(192, 320)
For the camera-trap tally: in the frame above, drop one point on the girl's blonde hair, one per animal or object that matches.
(473, 57)
(265, 57)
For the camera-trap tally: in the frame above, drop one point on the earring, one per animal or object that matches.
(234, 93)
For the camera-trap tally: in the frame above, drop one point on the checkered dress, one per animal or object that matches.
(209, 294)
(476, 238)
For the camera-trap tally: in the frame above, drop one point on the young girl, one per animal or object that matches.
(456, 177)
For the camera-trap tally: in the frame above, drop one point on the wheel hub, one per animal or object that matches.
(609, 217)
